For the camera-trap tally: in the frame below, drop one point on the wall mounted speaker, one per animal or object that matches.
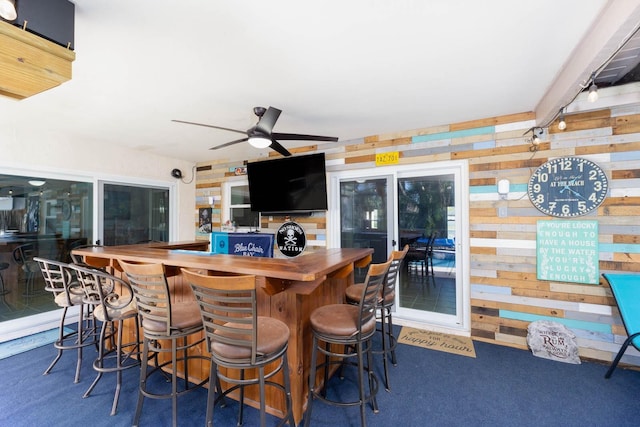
(53, 20)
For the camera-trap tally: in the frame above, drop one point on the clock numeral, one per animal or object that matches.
(582, 206)
(566, 209)
(597, 185)
(536, 188)
(543, 177)
(540, 198)
(593, 175)
(552, 206)
(593, 198)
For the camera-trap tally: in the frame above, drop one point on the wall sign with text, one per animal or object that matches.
(389, 158)
(291, 239)
(245, 244)
(567, 251)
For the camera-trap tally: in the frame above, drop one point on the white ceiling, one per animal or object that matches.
(340, 68)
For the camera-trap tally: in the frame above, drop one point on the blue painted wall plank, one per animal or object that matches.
(488, 289)
(619, 247)
(453, 134)
(573, 324)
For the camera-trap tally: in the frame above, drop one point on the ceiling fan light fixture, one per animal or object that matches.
(8, 10)
(259, 141)
(37, 182)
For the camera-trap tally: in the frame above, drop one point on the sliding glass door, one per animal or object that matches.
(420, 207)
(39, 217)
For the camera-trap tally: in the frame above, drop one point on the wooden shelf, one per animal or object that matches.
(30, 64)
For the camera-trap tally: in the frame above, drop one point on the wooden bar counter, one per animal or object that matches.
(288, 289)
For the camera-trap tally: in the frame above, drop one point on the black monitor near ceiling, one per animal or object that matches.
(53, 20)
(288, 185)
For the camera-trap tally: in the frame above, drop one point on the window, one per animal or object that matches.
(134, 214)
(240, 213)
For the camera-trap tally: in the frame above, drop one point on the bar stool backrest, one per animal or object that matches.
(371, 295)
(151, 291)
(110, 294)
(389, 287)
(60, 281)
(229, 315)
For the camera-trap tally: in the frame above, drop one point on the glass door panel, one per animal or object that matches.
(426, 220)
(39, 217)
(364, 217)
(134, 214)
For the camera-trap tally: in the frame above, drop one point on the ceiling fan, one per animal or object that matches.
(261, 135)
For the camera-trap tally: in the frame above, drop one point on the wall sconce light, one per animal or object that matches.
(8, 10)
(593, 89)
(503, 188)
(562, 125)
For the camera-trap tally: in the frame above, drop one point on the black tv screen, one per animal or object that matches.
(289, 184)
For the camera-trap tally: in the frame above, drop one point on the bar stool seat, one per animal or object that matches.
(337, 327)
(340, 320)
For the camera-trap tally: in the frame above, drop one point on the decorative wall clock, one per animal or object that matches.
(568, 187)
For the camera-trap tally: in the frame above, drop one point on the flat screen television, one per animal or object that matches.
(290, 184)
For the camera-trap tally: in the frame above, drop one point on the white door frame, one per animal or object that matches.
(461, 322)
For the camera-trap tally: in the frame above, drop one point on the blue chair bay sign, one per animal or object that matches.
(245, 244)
(291, 239)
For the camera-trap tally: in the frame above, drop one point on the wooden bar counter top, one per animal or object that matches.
(289, 289)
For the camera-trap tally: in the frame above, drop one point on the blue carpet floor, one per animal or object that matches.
(500, 387)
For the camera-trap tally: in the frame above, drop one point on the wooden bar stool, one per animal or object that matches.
(343, 327)
(240, 340)
(163, 318)
(385, 305)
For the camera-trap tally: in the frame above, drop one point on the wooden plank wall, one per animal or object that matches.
(505, 293)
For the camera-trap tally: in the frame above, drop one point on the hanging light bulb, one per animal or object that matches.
(8, 10)
(562, 125)
(593, 89)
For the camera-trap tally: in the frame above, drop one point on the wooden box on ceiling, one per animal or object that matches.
(30, 64)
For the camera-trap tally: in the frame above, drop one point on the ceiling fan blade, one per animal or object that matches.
(210, 126)
(268, 120)
(275, 145)
(229, 143)
(298, 137)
